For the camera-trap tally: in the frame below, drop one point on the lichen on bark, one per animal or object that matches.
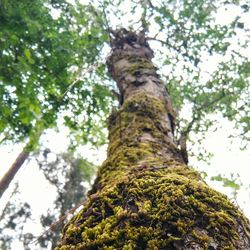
(145, 196)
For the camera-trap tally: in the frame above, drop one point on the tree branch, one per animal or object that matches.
(182, 141)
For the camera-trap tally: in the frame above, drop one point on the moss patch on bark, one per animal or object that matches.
(146, 198)
(157, 208)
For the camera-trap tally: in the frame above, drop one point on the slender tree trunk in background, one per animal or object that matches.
(145, 196)
(10, 174)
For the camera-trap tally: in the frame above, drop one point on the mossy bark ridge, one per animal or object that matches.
(145, 196)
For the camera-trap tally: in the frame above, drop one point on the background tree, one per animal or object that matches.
(70, 177)
(71, 189)
(13, 218)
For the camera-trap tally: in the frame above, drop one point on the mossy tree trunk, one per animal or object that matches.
(145, 196)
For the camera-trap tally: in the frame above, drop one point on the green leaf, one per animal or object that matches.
(28, 56)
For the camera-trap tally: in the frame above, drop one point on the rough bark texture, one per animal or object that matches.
(10, 174)
(145, 196)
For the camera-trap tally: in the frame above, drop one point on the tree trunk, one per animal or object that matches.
(10, 174)
(145, 196)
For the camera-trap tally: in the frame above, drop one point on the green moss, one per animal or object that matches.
(139, 66)
(156, 210)
(146, 199)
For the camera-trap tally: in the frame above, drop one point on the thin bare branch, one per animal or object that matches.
(56, 223)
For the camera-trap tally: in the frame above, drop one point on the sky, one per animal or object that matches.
(227, 160)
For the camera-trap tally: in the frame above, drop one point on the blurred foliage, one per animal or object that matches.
(206, 60)
(232, 182)
(13, 218)
(43, 47)
(228, 182)
(70, 177)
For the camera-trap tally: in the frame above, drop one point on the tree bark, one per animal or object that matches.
(10, 174)
(145, 196)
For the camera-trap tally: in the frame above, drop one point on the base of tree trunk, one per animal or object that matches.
(159, 208)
